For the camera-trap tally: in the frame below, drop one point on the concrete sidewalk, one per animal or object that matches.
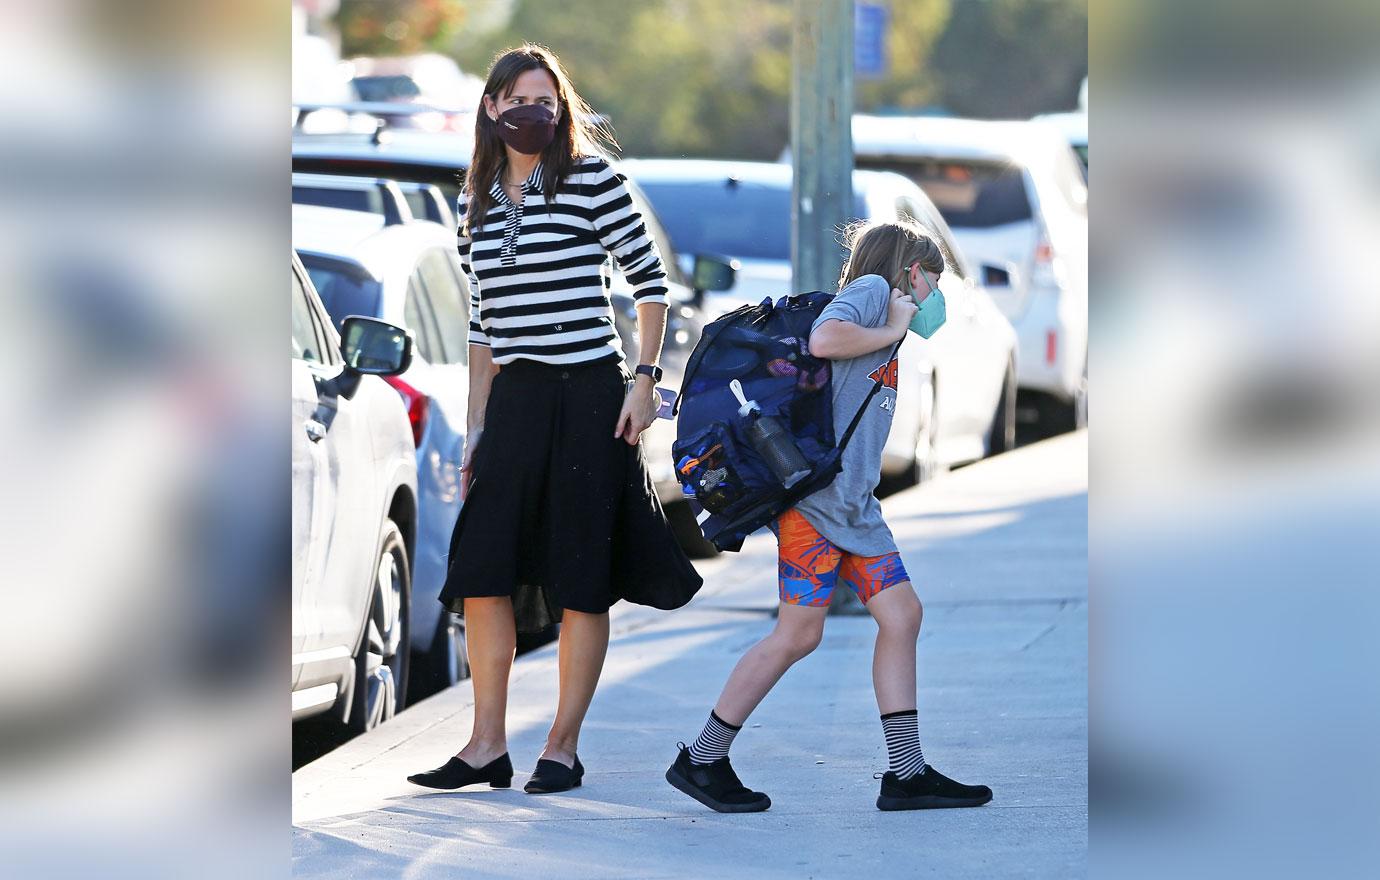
(998, 552)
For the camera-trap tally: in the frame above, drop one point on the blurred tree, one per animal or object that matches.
(397, 27)
(676, 77)
(711, 78)
(1012, 58)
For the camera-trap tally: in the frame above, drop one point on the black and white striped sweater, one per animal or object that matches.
(539, 281)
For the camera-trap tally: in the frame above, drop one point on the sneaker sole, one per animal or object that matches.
(928, 802)
(684, 785)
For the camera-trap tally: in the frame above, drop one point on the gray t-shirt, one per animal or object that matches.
(846, 512)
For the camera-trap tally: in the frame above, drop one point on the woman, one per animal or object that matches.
(560, 519)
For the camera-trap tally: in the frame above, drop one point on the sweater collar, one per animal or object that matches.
(531, 184)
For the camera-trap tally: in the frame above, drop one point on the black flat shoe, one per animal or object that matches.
(553, 776)
(715, 785)
(931, 790)
(455, 773)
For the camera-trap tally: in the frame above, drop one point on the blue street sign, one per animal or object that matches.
(869, 40)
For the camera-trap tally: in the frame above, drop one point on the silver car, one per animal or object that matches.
(354, 515)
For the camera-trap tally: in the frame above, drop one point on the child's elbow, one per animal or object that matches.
(822, 344)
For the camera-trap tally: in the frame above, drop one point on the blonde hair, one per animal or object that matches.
(888, 249)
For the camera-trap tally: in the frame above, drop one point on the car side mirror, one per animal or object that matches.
(997, 276)
(373, 347)
(713, 273)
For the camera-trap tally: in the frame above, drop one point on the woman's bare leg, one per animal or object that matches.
(583, 645)
(491, 639)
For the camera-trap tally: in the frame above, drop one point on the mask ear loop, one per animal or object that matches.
(928, 285)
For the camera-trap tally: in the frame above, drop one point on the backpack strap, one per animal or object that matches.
(876, 386)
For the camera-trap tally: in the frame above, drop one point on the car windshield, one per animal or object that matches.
(343, 288)
(969, 194)
(727, 217)
(368, 200)
(385, 89)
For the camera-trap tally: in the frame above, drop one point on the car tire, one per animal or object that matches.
(381, 660)
(1080, 401)
(1062, 416)
(682, 521)
(445, 664)
(1001, 437)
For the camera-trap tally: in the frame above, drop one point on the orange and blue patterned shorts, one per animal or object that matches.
(810, 565)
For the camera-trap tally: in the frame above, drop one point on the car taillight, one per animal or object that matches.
(1051, 346)
(1044, 253)
(416, 403)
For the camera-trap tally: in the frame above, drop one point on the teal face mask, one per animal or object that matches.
(931, 315)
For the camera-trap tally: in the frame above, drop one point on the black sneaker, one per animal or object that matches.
(930, 790)
(715, 785)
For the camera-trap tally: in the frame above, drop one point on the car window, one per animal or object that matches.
(729, 217)
(658, 233)
(343, 288)
(417, 314)
(385, 88)
(305, 344)
(969, 194)
(446, 297)
(367, 200)
(733, 218)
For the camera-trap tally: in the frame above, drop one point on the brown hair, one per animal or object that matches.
(888, 249)
(579, 132)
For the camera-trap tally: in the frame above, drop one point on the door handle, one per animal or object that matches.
(315, 430)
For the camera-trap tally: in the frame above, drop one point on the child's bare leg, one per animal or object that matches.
(797, 633)
(898, 613)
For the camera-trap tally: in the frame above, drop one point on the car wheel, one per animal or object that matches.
(381, 659)
(1002, 435)
(446, 663)
(1080, 401)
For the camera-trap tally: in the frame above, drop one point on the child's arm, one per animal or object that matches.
(840, 340)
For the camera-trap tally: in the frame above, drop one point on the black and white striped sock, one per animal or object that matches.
(902, 730)
(713, 742)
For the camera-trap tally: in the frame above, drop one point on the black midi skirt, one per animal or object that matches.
(560, 513)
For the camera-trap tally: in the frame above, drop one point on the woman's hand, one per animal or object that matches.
(639, 410)
(467, 463)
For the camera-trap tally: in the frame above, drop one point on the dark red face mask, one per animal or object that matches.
(527, 128)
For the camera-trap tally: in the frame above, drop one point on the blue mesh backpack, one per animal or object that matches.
(720, 459)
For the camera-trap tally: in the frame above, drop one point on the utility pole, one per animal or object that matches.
(821, 139)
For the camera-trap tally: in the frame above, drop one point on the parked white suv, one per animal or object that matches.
(1013, 193)
(354, 514)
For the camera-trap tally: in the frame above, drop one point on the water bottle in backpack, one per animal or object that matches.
(774, 443)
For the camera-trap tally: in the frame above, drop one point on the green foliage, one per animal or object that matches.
(677, 77)
(398, 27)
(1013, 58)
(712, 77)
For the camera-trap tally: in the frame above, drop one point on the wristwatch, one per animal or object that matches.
(650, 370)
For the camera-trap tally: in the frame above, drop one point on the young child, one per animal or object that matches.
(838, 535)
